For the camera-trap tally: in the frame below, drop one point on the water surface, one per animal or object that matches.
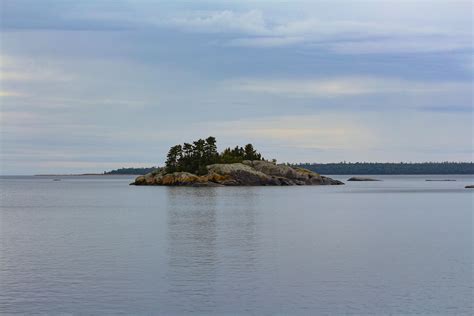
(94, 245)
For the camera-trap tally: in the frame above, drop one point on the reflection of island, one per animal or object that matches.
(213, 247)
(200, 164)
(192, 245)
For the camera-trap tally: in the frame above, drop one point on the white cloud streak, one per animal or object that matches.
(298, 131)
(345, 86)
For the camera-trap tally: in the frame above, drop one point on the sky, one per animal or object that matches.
(89, 86)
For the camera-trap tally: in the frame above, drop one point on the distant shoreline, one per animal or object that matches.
(359, 168)
(342, 168)
(380, 168)
(80, 175)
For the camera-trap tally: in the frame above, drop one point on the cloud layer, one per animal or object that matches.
(96, 85)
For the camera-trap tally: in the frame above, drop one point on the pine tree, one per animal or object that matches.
(251, 153)
(210, 151)
(198, 162)
(174, 155)
(187, 156)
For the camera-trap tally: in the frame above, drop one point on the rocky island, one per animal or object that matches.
(199, 164)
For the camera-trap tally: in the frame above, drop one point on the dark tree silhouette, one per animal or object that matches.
(174, 154)
(250, 153)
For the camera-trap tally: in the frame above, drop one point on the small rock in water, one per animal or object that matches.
(362, 179)
(469, 186)
(440, 180)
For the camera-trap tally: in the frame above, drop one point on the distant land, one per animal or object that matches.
(356, 168)
(391, 168)
(133, 171)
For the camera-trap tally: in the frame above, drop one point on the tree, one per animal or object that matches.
(174, 155)
(251, 153)
(210, 151)
(186, 158)
(238, 153)
(226, 156)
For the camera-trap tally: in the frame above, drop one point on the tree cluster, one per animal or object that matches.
(196, 156)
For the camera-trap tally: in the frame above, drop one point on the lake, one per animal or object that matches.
(95, 245)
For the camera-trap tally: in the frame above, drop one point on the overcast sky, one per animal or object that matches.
(88, 86)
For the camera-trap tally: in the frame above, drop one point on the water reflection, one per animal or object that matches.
(240, 249)
(103, 247)
(213, 236)
(192, 245)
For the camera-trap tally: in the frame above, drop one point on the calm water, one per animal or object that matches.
(94, 245)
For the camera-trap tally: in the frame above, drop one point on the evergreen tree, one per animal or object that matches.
(251, 153)
(174, 155)
(187, 157)
(238, 153)
(199, 162)
(210, 151)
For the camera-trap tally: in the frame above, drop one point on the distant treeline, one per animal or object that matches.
(358, 168)
(137, 171)
(390, 168)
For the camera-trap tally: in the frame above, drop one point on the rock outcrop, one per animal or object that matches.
(247, 173)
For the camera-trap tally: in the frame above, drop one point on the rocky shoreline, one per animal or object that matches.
(247, 173)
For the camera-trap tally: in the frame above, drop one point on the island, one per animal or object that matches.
(200, 165)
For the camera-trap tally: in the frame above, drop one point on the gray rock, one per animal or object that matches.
(362, 179)
(272, 169)
(238, 174)
(140, 180)
(330, 181)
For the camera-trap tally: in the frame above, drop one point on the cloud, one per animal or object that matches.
(333, 136)
(10, 94)
(264, 41)
(15, 69)
(297, 131)
(345, 86)
(254, 29)
(51, 15)
(396, 77)
(403, 45)
(377, 29)
(251, 22)
(43, 82)
(256, 23)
